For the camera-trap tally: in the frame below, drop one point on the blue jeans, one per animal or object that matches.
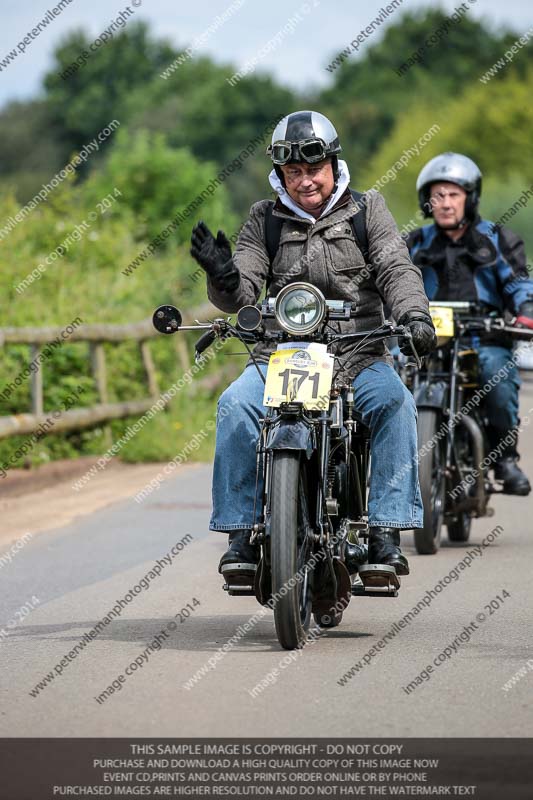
(385, 406)
(501, 401)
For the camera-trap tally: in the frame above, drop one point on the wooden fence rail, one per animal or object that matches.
(96, 335)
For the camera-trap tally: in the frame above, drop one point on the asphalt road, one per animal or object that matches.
(74, 575)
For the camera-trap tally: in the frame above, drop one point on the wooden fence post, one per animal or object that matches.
(36, 382)
(149, 368)
(99, 372)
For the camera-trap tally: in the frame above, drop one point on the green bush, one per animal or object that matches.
(87, 282)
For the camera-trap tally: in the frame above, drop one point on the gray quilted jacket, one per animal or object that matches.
(326, 254)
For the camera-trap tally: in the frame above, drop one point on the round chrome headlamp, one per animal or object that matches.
(300, 308)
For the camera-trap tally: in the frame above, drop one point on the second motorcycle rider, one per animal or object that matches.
(318, 243)
(464, 257)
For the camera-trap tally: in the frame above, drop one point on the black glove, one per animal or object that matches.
(214, 255)
(524, 317)
(422, 330)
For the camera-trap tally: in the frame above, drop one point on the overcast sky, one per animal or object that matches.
(319, 34)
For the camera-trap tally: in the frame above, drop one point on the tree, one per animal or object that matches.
(86, 101)
(28, 160)
(368, 94)
(157, 182)
(490, 123)
(194, 106)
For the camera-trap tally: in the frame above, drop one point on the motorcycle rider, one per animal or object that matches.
(464, 257)
(317, 244)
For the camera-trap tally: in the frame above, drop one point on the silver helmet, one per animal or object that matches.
(452, 168)
(304, 136)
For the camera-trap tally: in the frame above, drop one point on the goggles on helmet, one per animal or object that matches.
(310, 150)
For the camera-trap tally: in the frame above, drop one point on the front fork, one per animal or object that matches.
(320, 434)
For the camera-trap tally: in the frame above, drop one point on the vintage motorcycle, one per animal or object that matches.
(312, 461)
(452, 438)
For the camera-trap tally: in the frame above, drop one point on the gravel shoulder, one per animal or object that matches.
(32, 501)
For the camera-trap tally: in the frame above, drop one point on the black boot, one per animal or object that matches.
(384, 548)
(506, 468)
(241, 556)
(514, 480)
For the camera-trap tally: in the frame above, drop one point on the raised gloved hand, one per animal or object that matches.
(214, 255)
(525, 315)
(422, 330)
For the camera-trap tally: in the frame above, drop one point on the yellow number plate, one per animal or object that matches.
(442, 317)
(302, 375)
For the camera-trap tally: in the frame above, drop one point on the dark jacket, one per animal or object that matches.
(486, 265)
(326, 254)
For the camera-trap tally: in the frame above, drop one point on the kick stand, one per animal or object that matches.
(377, 580)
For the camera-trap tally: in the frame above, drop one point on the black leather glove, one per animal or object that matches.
(422, 330)
(214, 255)
(524, 318)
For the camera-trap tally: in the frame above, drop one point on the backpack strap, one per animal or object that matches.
(273, 227)
(274, 224)
(358, 222)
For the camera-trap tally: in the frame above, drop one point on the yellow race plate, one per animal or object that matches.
(442, 317)
(301, 374)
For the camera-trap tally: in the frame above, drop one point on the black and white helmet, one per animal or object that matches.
(452, 168)
(304, 136)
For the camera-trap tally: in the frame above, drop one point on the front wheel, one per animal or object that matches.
(290, 549)
(432, 483)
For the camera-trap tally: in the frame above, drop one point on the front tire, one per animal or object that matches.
(289, 549)
(432, 484)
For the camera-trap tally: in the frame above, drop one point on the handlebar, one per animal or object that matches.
(492, 325)
(167, 319)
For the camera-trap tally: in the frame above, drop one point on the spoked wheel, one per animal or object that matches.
(432, 484)
(290, 549)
